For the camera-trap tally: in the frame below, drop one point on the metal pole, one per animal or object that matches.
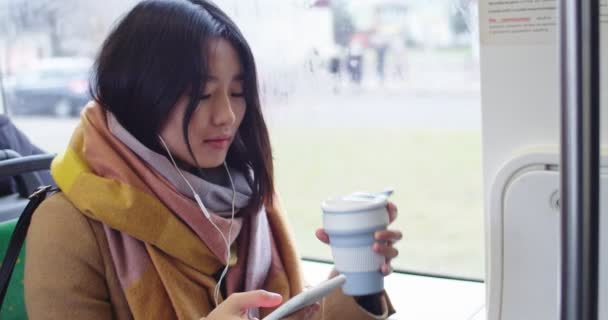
(579, 55)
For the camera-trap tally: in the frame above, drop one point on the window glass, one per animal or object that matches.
(358, 95)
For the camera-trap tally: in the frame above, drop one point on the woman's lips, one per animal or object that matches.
(219, 142)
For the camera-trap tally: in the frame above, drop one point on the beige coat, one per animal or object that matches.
(69, 272)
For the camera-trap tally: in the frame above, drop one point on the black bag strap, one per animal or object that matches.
(18, 237)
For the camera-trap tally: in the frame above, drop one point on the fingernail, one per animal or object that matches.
(273, 294)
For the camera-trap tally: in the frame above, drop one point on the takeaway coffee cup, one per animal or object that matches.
(351, 222)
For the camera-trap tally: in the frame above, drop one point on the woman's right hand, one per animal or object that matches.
(237, 304)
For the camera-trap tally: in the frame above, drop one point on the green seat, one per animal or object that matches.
(13, 307)
(11, 207)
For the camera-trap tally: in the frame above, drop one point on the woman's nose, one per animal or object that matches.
(223, 113)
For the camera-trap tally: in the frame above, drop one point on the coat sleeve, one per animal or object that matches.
(64, 271)
(340, 306)
(337, 305)
(13, 138)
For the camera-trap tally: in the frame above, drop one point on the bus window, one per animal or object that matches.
(358, 96)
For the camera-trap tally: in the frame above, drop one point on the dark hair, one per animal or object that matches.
(153, 57)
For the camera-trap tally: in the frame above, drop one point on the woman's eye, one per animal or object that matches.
(238, 95)
(204, 96)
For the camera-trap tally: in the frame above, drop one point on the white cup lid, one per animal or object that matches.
(358, 201)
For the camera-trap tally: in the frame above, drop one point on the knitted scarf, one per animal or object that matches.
(165, 252)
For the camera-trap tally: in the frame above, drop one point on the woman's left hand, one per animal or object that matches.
(385, 239)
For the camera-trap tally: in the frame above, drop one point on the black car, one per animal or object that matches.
(55, 86)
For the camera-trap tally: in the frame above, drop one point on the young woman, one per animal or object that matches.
(167, 207)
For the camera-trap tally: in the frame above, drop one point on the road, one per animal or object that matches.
(351, 108)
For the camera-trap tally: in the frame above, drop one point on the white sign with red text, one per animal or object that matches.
(513, 22)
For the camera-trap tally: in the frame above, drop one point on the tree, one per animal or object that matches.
(73, 27)
(343, 22)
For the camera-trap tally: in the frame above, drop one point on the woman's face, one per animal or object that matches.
(218, 115)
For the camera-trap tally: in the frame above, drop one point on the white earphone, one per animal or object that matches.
(199, 201)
